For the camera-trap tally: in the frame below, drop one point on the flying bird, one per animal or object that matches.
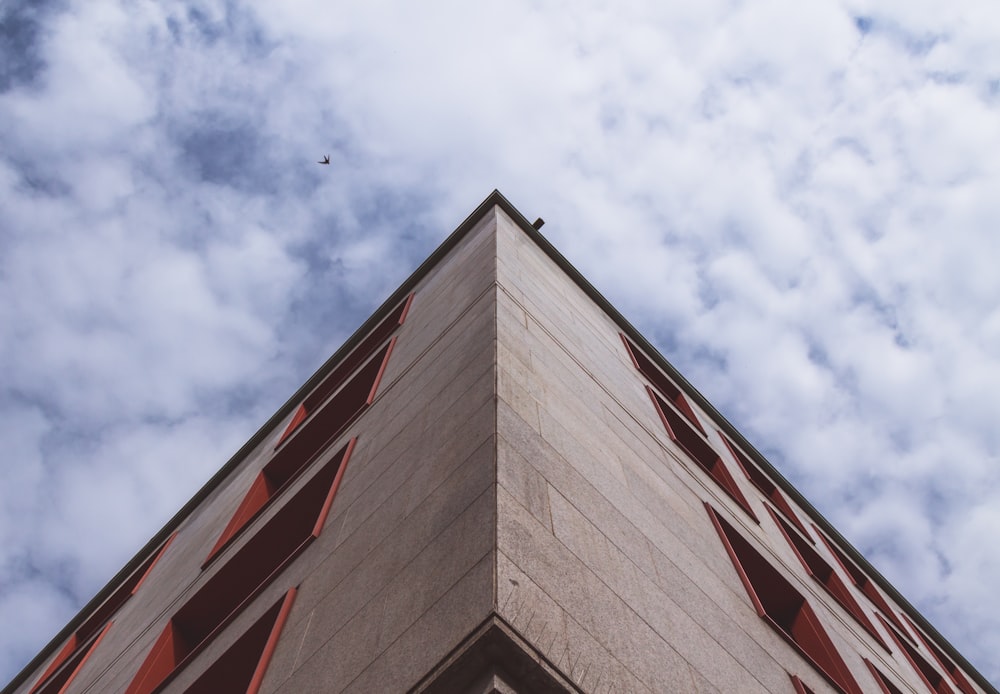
(326, 160)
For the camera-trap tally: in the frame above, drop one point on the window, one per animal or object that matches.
(765, 485)
(883, 682)
(698, 449)
(947, 663)
(861, 580)
(89, 634)
(246, 573)
(932, 678)
(272, 480)
(783, 608)
(314, 426)
(662, 383)
(240, 670)
(800, 686)
(70, 660)
(320, 419)
(349, 364)
(826, 577)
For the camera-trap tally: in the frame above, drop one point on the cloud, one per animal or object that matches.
(796, 204)
(20, 27)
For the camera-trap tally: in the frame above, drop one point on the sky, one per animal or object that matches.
(795, 202)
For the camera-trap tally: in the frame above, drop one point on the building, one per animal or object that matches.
(497, 485)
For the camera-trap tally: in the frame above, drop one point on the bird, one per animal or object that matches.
(326, 159)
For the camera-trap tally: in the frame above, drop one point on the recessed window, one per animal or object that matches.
(784, 608)
(663, 384)
(864, 584)
(947, 663)
(241, 668)
(85, 639)
(883, 682)
(349, 364)
(71, 660)
(824, 574)
(800, 686)
(314, 426)
(765, 485)
(270, 482)
(698, 449)
(246, 573)
(932, 678)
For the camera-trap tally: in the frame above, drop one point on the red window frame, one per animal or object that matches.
(883, 682)
(765, 485)
(247, 572)
(823, 573)
(242, 667)
(862, 581)
(88, 635)
(779, 604)
(800, 686)
(666, 387)
(349, 365)
(314, 426)
(58, 677)
(699, 450)
(947, 663)
(267, 486)
(934, 680)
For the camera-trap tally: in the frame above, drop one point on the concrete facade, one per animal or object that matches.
(514, 517)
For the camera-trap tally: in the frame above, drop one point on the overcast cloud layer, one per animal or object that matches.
(797, 202)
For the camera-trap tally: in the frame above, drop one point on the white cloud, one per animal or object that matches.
(40, 612)
(797, 202)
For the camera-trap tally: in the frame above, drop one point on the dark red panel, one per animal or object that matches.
(824, 574)
(932, 678)
(79, 646)
(883, 682)
(359, 354)
(329, 421)
(864, 584)
(272, 639)
(246, 573)
(947, 663)
(800, 686)
(241, 668)
(784, 608)
(167, 653)
(61, 676)
(766, 486)
(268, 484)
(67, 652)
(260, 492)
(699, 450)
(352, 361)
(666, 387)
(297, 418)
